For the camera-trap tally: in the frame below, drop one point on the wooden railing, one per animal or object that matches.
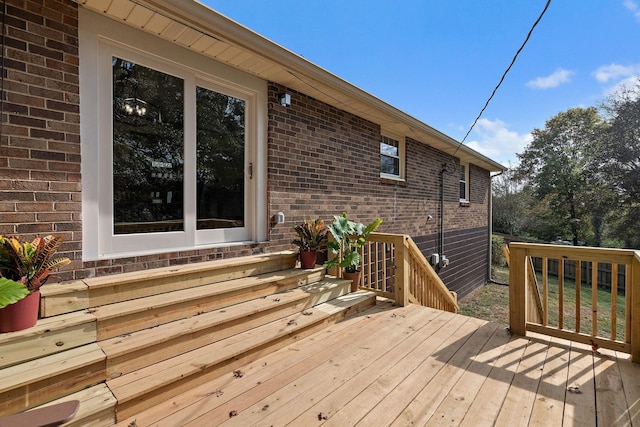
(574, 307)
(393, 266)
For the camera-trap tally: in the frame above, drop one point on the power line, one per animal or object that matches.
(535, 24)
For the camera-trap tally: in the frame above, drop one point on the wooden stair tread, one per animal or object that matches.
(117, 346)
(52, 415)
(133, 315)
(97, 406)
(48, 336)
(140, 339)
(190, 294)
(129, 352)
(140, 382)
(172, 271)
(97, 291)
(55, 364)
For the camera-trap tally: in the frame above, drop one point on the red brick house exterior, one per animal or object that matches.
(319, 157)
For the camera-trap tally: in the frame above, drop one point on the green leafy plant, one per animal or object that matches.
(311, 233)
(11, 292)
(349, 237)
(30, 263)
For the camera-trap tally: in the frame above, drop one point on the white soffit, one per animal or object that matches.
(196, 27)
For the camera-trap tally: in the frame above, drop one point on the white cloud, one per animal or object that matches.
(633, 7)
(609, 72)
(627, 84)
(554, 80)
(497, 142)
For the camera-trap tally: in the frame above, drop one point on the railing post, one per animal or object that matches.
(634, 288)
(517, 290)
(402, 272)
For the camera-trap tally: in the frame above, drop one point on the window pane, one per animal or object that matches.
(463, 190)
(463, 173)
(388, 150)
(390, 165)
(148, 146)
(220, 160)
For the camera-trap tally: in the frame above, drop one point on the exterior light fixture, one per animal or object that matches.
(135, 106)
(284, 99)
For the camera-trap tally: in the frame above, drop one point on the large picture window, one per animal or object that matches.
(220, 160)
(148, 149)
(171, 158)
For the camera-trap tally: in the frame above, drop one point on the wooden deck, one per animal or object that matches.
(416, 366)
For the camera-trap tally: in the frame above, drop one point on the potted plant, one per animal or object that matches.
(311, 233)
(349, 237)
(28, 264)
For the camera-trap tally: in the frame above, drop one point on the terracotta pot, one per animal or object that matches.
(355, 279)
(20, 315)
(308, 259)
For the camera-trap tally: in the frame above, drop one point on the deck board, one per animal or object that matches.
(416, 366)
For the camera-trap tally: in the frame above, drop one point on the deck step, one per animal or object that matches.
(97, 407)
(138, 349)
(94, 292)
(29, 384)
(134, 315)
(48, 336)
(159, 382)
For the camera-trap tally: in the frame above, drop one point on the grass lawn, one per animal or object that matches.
(491, 302)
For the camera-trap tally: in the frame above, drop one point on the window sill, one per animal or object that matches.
(464, 203)
(388, 180)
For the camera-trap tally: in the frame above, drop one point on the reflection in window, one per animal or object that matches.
(148, 141)
(389, 156)
(220, 160)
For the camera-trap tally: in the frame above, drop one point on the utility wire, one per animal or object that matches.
(535, 24)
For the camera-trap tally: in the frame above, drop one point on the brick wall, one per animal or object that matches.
(40, 143)
(321, 161)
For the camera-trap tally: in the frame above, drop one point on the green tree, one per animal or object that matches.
(619, 163)
(555, 168)
(510, 203)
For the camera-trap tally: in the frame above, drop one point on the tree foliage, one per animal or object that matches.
(555, 166)
(579, 178)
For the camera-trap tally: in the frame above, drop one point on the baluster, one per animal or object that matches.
(560, 293)
(545, 291)
(594, 298)
(578, 294)
(614, 301)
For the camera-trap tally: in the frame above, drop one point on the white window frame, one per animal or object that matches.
(466, 182)
(401, 155)
(100, 40)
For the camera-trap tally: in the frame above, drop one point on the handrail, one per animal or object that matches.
(426, 287)
(578, 293)
(393, 266)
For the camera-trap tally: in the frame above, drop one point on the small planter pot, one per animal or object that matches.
(355, 279)
(20, 315)
(308, 259)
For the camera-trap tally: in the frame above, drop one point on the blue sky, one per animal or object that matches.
(440, 60)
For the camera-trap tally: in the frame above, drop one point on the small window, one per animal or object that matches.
(391, 157)
(464, 183)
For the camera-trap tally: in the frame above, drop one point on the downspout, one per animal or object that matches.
(442, 171)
